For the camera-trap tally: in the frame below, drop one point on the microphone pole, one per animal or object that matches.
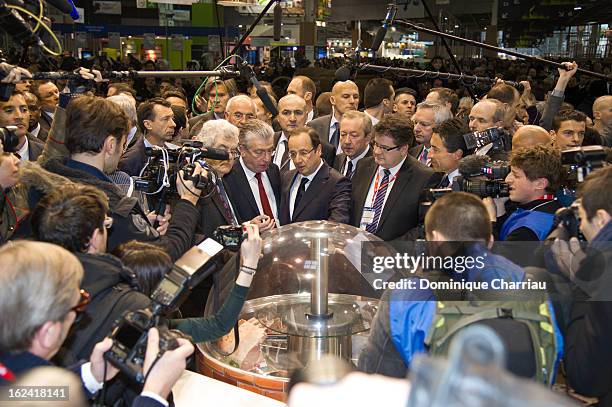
(223, 73)
(448, 48)
(415, 73)
(415, 27)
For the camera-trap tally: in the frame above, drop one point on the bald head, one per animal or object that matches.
(530, 136)
(344, 97)
(291, 112)
(602, 114)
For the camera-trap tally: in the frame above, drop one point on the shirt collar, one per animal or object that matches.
(35, 130)
(333, 120)
(249, 174)
(283, 137)
(90, 169)
(314, 174)
(147, 143)
(131, 135)
(23, 151)
(355, 160)
(451, 176)
(393, 170)
(310, 116)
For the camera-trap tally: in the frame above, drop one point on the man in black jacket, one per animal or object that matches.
(95, 134)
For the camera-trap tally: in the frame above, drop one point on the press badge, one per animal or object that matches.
(367, 217)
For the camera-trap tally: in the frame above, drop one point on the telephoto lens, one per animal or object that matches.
(9, 139)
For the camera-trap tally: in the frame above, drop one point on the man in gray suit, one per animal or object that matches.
(355, 139)
(344, 97)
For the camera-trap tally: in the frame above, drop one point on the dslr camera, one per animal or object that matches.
(230, 236)
(500, 139)
(568, 219)
(580, 162)
(130, 333)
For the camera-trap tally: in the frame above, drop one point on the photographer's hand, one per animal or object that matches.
(263, 222)
(98, 362)
(14, 74)
(168, 369)
(250, 250)
(164, 221)
(568, 256)
(186, 189)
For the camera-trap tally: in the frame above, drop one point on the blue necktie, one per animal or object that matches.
(335, 138)
(379, 200)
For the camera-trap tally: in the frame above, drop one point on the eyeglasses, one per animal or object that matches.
(386, 148)
(301, 153)
(108, 222)
(239, 116)
(259, 152)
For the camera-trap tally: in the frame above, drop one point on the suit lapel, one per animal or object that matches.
(366, 177)
(243, 185)
(313, 189)
(400, 184)
(216, 199)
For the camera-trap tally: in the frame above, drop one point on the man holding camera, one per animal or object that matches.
(40, 289)
(534, 178)
(15, 112)
(95, 136)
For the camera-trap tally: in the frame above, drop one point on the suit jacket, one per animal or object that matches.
(321, 125)
(134, 159)
(196, 123)
(401, 210)
(328, 197)
(238, 188)
(35, 147)
(212, 214)
(45, 125)
(328, 153)
(341, 160)
(416, 150)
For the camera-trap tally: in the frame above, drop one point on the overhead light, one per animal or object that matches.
(240, 26)
(578, 8)
(456, 25)
(393, 29)
(445, 18)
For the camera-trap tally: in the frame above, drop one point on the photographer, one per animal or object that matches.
(589, 332)
(533, 181)
(95, 136)
(40, 290)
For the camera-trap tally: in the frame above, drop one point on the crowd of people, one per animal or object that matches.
(81, 244)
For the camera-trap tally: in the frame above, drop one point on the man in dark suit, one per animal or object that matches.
(156, 119)
(387, 186)
(314, 190)
(14, 112)
(427, 116)
(48, 99)
(355, 138)
(291, 116)
(344, 97)
(305, 88)
(217, 92)
(253, 184)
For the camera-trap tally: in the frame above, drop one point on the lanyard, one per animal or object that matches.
(378, 188)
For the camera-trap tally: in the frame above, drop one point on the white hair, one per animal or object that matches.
(237, 98)
(212, 130)
(127, 104)
(441, 112)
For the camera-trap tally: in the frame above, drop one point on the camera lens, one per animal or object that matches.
(10, 140)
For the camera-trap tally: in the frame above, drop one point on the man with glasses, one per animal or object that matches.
(427, 116)
(39, 288)
(355, 138)
(292, 116)
(387, 186)
(253, 184)
(314, 190)
(240, 109)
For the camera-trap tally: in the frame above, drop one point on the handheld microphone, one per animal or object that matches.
(65, 6)
(382, 31)
(278, 18)
(247, 71)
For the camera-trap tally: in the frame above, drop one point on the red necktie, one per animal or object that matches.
(263, 197)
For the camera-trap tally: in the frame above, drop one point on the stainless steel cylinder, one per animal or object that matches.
(319, 285)
(307, 348)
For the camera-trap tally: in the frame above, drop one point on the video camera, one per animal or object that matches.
(500, 139)
(9, 139)
(161, 170)
(568, 219)
(130, 333)
(580, 162)
(483, 177)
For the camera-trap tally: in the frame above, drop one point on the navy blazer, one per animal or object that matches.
(240, 194)
(328, 153)
(134, 159)
(328, 197)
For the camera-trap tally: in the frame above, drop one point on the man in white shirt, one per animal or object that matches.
(427, 116)
(355, 139)
(305, 88)
(447, 148)
(253, 184)
(378, 99)
(14, 112)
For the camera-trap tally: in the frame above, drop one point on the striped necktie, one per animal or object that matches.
(379, 200)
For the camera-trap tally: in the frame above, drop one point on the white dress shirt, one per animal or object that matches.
(372, 118)
(354, 160)
(24, 151)
(280, 151)
(310, 116)
(332, 129)
(369, 202)
(451, 176)
(131, 135)
(255, 189)
(35, 130)
(296, 183)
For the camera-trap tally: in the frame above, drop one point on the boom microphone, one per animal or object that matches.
(65, 6)
(382, 31)
(278, 18)
(247, 71)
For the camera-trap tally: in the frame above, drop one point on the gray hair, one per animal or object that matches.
(355, 114)
(127, 104)
(255, 129)
(237, 98)
(38, 282)
(215, 129)
(500, 109)
(441, 112)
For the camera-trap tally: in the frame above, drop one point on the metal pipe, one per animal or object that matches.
(319, 285)
(607, 78)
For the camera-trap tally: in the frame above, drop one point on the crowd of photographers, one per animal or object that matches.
(103, 193)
